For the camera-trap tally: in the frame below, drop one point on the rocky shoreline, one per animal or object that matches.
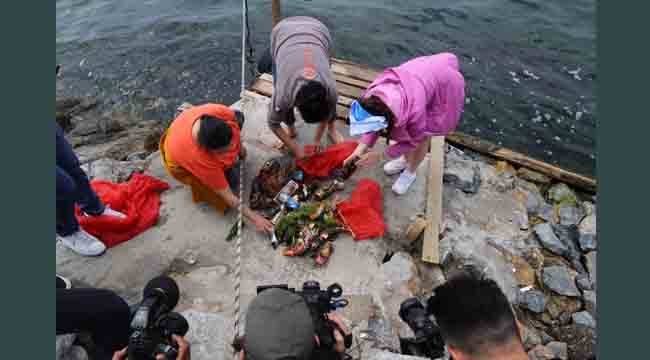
(536, 238)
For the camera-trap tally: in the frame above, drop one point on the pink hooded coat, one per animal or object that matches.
(426, 95)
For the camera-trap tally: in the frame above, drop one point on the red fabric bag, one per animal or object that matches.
(138, 199)
(322, 163)
(364, 212)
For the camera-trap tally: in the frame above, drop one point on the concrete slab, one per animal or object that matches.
(189, 243)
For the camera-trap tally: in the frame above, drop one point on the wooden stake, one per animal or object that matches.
(276, 15)
(430, 251)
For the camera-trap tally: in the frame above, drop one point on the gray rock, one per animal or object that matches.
(590, 262)
(533, 199)
(583, 318)
(558, 279)
(522, 220)
(580, 340)
(588, 225)
(548, 239)
(462, 174)
(376, 354)
(530, 338)
(504, 182)
(584, 282)
(570, 215)
(560, 350)
(113, 170)
(140, 155)
(564, 318)
(546, 212)
(568, 235)
(208, 334)
(533, 176)
(587, 242)
(540, 352)
(400, 281)
(561, 193)
(589, 298)
(431, 276)
(588, 208)
(546, 338)
(533, 300)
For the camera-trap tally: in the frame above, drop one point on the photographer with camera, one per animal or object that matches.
(475, 321)
(98, 312)
(283, 324)
(150, 330)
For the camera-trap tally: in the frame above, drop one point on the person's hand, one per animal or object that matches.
(261, 223)
(242, 152)
(369, 159)
(299, 153)
(334, 135)
(349, 158)
(183, 349)
(340, 332)
(358, 151)
(119, 355)
(316, 148)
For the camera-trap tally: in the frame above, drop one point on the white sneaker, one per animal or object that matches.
(396, 166)
(83, 243)
(63, 282)
(109, 212)
(403, 182)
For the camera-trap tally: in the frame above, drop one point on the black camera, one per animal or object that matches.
(153, 322)
(320, 302)
(427, 341)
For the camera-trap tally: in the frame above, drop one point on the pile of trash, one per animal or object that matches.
(297, 196)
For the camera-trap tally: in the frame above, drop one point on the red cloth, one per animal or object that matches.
(364, 212)
(138, 199)
(321, 164)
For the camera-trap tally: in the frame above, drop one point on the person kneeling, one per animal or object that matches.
(408, 104)
(202, 149)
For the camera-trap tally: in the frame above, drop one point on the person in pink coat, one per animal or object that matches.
(407, 104)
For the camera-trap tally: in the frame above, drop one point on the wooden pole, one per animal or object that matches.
(275, 12)
(430, 251)
(487, 148)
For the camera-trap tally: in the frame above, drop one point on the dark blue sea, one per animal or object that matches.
(530, 65)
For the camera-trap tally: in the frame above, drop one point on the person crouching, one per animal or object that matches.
(202, 149)
(407, 104)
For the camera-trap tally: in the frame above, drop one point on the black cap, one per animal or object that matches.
(279, 326)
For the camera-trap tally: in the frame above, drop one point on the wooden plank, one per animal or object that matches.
(265, 88)
(344, 89)
(348, 93)
(362, 84)
(492, 150)
(353, 70)
(430, 250)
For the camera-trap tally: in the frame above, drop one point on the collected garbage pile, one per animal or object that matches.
(298, 197)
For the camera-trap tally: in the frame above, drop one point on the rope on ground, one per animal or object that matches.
(237, 273)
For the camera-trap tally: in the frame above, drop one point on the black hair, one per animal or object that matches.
(473, 314)
(311, 100)
(375, 106)
(214, 133)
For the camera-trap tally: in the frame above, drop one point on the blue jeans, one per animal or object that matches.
(72, 187)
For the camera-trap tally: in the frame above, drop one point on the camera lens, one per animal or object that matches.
(335, 290)
(310, 285)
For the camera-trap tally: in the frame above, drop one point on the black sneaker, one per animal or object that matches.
(63, 283)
